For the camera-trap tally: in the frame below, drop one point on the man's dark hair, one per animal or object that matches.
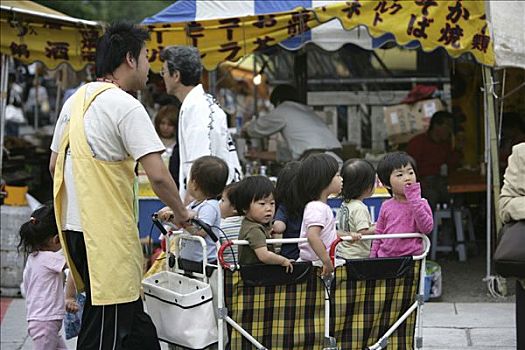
(186, 60)
(391, 162)
(283, 93)
(210, 173)
(440, 118)
(359, 176)
(119, 39)
(251, 189)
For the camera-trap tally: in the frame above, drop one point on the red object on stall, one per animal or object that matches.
(418, 93)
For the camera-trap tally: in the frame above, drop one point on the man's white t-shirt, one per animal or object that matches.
(116, 126)
(203, 131)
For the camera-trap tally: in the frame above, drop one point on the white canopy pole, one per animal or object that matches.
(496, 284)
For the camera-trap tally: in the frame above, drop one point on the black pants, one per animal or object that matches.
(520, 316)
(119, 326)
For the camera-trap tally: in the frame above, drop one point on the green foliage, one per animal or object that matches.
(108, 11)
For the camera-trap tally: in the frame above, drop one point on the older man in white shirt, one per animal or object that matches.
(203, 128)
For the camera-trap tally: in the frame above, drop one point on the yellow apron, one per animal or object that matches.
(105, 196)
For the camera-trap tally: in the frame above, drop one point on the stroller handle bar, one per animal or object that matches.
(196, 222)
(333, 247)
(426, 242)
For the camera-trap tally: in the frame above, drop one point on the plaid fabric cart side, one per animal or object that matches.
(286, 316)
(373, 303)
(366, 303)
(292, 316)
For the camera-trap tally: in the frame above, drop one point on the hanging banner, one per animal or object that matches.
(457, 26)
(229, 39)
(50, 42)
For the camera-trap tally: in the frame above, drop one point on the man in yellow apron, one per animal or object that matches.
(101, 132)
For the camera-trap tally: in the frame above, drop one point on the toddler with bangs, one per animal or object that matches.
(406, 212)
(254, 200)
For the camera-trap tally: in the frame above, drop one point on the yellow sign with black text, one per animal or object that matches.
(457, 26)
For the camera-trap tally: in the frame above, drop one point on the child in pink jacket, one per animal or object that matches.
(406, 212)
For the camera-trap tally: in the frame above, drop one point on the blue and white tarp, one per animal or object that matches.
(329, 36)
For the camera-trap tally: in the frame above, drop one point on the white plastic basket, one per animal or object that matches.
(181, 309)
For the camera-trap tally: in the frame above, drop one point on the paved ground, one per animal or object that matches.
(463, 281)
(446, 326)
(477, 326)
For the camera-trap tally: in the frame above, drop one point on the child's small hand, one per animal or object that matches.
(71, 305)
(356, 236)
(287, 263)
(278, 227)
(413, 191)
(328, 269)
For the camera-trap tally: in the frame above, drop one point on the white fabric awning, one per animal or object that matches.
(507, 19)
(330, 36)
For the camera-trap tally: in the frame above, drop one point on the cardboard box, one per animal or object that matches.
(405, 121)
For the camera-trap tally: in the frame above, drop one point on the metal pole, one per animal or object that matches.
(489, 171)
(255, 87)
(59, 81)
(37, 104)
(301, 74)
(222, 311)
(368, 81)
(4, 81)
(420, 303)
(493, 148)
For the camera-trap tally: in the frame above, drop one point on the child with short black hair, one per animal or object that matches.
(254, 200)
(318, 178)
(289, 215)
(406, 212)
(230, 220)
(359, 177)
(43, 279)
(207, 180)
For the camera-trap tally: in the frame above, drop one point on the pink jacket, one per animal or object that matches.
(413, 216)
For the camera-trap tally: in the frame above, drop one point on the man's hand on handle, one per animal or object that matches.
(180, 219)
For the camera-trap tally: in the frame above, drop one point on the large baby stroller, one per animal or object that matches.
(369, 303)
